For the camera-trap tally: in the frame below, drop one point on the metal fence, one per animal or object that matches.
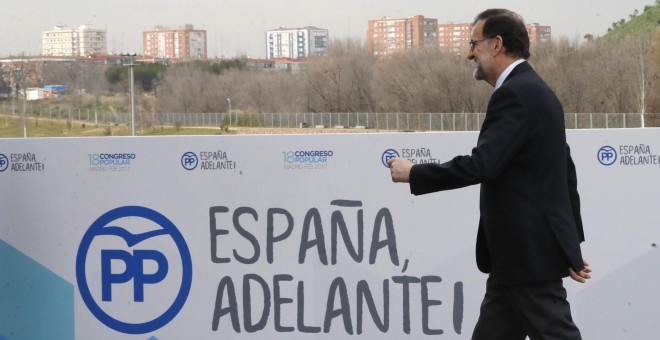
(380, 121)
(384, 121)
(31, 110)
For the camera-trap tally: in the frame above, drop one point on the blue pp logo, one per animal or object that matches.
(145, 270)
(387, 155)
(607, 155)
(189, 160)
(4, 162)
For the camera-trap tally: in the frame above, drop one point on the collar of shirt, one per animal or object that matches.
(506, 73)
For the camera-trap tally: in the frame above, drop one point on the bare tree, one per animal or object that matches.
(268, 91)
(77, 76)
(186, 89)
(24, 73)
(655, 95)
(428, 80)
(642, 53)
(339, 81)
(398, 79)
(560, 63)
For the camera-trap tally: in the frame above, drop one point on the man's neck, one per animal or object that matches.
(507, 71)
(502, 63)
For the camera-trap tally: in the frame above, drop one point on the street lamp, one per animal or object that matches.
(131, 63)
(18, 75)
(229, 102)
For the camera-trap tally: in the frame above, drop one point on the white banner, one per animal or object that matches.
(285, 237)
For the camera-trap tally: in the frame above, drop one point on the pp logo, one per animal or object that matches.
(145, 270)
(387, 155)
(607, 155)
(4, 162)
(189, 160)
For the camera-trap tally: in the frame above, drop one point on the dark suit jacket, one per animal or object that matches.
(530, 227)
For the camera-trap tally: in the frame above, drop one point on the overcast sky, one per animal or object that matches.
(236, 27)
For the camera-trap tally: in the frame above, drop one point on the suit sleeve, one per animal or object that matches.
(502, 135)
(573, 193)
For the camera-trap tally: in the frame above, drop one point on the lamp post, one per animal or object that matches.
(18, 75)
(131, 63)
(14, 96)
(229, 103)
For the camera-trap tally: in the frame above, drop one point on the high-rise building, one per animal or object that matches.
(538, 33)
(296, 43)
(454, 37)
(390, 35)
(181, 43)
(74, 42)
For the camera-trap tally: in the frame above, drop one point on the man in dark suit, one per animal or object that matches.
(530, 227)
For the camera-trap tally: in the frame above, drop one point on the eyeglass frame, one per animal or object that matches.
(473, 43)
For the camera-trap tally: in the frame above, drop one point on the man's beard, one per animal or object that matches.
(478, 73)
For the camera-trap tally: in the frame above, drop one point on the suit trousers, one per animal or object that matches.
(538, 310)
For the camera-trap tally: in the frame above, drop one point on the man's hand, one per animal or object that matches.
(583, 275)
(400, 169)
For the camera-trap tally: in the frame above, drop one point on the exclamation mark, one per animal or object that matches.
(458, 306)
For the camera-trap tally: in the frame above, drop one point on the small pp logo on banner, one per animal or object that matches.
(133, 270)
(387, 155)
(4, 162)
(189, 160)
(607, 155)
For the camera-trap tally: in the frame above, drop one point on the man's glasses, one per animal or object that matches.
(473, 43)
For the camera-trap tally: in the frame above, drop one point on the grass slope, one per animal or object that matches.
(644, 23)
(11, 127)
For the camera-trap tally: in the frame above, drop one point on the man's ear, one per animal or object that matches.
(498, 46)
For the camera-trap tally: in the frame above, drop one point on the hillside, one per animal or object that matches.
(645, 22)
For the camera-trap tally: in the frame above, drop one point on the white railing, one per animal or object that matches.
(380, 121)
(384, 121)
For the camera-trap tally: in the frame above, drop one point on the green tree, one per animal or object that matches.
(148, 74)
(218, 67)
(115, 74)
(145, 75)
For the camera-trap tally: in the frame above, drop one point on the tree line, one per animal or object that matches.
(593, 77)
(596, 76)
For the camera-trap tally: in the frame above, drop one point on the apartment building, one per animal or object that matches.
(184, 42)
(454, 37)
(296, 43)
(538, 33)
(391, 35)
(83, 41)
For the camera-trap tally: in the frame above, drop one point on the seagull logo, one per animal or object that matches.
(141, 260)
(130, 238)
